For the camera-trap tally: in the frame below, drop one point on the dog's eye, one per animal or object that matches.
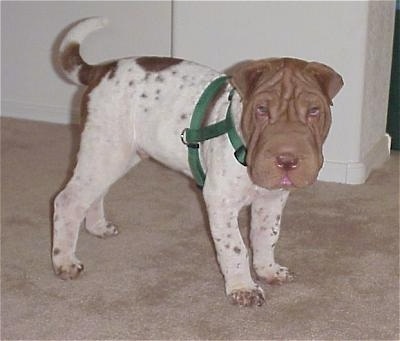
(262, 111)
(313, 112)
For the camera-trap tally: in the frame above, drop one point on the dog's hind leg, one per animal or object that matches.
(95, 221)
(103, 158)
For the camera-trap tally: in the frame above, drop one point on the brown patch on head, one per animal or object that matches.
(156, 64)
(285, 119)
(329, 81)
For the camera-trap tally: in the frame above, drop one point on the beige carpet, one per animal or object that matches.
(159, 279)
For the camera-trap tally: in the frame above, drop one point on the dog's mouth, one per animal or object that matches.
(272, 177)
(291, 181)
(285, 168)
(286, 182)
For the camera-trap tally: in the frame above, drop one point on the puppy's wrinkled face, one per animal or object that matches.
(286, 118)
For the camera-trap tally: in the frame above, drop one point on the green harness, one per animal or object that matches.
(192, 136)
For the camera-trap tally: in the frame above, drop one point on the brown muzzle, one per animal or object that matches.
(286, 118)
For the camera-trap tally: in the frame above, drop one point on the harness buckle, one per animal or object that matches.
(184, 141)
(240, 155)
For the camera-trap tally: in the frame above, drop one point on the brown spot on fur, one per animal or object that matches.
(70, 57)
(56, 251)
(92, 75)
(237, 249)
(156, 64)
(88, 74)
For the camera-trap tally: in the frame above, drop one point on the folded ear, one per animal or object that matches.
(246, 75)
(330, 81)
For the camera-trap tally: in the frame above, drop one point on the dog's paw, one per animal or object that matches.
(278, 276)
(67, 268)
(102, 229)
(247, 297)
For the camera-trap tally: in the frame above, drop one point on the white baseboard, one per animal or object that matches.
(39, 112)
(355, 173)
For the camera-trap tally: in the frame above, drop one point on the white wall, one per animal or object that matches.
(352, 37)
(377, 69)
(31, 30)
(355, 38)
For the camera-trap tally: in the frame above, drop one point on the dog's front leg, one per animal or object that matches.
(266, 213)
(231, 251)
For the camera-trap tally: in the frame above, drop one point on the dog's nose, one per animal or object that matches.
(287, 161)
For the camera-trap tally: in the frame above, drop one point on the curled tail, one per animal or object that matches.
(74, 67)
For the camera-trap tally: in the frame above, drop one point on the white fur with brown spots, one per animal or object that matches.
(139, 106)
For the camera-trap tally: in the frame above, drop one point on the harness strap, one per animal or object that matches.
(196, 133)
